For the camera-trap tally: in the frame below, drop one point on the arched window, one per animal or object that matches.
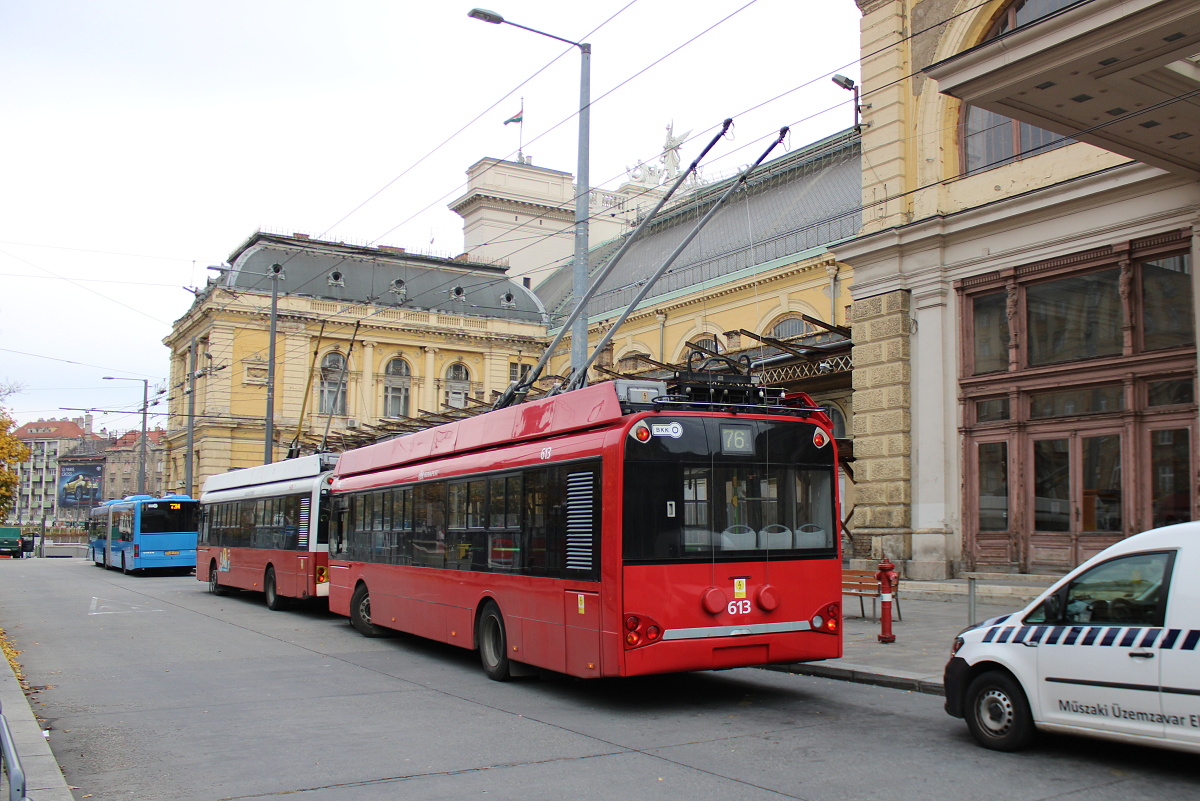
(990, 139)
(458, 384)
(632, 362)
(791, 327)
(708, 341)
(397, 379)
(333, 389)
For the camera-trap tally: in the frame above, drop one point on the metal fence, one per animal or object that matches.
(10, 764)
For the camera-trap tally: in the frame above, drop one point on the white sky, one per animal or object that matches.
(146, 139)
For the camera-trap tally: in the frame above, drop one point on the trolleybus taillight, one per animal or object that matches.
(640, 630)
(828, 620)
(322, 574)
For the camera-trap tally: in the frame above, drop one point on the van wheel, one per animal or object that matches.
(214, 586)
(493, 644)
(998, 712)
(275, 602)
(360, 613)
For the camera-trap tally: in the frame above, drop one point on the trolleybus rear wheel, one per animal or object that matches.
(360, 613)
(275, 601)
(493, 644)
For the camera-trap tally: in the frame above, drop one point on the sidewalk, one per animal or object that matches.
(43, 779)
(916, 659)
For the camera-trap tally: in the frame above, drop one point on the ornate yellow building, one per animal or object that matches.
(367, 338)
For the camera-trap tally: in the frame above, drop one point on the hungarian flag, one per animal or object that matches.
(518, 117)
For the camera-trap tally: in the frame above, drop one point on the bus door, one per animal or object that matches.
(581, 617)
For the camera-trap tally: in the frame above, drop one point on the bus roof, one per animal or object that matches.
(287, 470)
(589, 407)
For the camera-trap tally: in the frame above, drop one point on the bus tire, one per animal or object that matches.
(360, 613)
(214, 586)
(275, 601)
(997, 712)
(493, 644)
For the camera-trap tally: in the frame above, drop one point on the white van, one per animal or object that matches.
(1112, 650)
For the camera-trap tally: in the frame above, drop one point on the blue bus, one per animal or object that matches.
(142, 532)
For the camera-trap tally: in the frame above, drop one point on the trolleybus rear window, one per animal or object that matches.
(708, 489)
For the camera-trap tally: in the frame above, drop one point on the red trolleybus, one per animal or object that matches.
(267, 528)
(610, 531)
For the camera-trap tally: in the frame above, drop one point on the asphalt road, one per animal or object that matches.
(153, 689)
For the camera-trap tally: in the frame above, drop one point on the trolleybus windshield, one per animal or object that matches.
(159, 517)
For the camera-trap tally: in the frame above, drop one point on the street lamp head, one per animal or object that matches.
(844, 82)
(485, 15)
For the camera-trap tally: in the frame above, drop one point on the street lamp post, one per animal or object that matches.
(141, 489)
(582, 182)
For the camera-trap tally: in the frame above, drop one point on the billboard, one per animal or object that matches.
(79, 485)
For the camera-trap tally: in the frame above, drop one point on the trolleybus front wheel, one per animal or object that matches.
(493, 644)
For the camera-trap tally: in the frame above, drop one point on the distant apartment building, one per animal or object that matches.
(43, 492)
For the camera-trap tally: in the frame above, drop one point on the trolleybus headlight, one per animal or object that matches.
(640, 432)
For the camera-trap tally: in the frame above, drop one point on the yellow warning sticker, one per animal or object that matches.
(582, 604)
(739, 588)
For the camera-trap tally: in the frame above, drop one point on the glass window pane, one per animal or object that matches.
(1036, 140)
(988, 141)
(1065, 403)
(1126, 591)
(1167, 303)
(1102, 483)
(991, 410)
(1170, 469)
(1172, 392)
(496, 502)
(513, 504)
(993, 486)
(990, 327)
(1052, 483)
(1074, 318)
(476, 495)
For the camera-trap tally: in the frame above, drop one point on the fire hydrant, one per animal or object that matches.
(887, 578)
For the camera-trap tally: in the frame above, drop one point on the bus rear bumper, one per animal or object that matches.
(720, 653)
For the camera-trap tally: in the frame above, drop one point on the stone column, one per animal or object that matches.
(429, 401)
(882, 522)
(367, 410)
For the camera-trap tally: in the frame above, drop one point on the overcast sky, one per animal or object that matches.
(146, 139)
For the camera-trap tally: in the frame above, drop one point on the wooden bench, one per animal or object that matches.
(863, 584)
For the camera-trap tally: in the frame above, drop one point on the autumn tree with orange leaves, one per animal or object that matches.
(12, 452)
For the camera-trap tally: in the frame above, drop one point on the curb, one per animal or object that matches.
(862, 674)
